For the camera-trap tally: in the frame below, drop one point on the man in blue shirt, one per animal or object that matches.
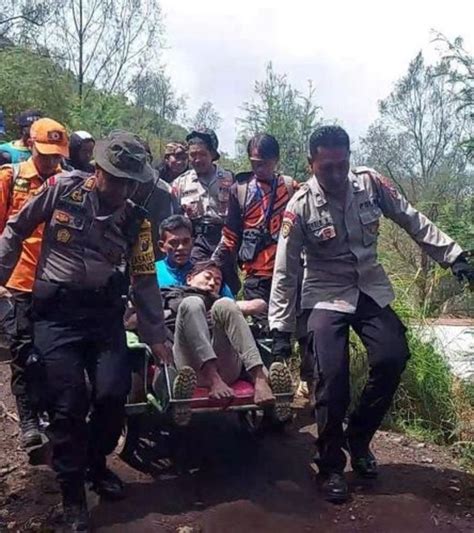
(176, 242)
(20, 150)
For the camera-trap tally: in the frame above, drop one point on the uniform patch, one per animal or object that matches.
(143, 257)
(21, 185)
(326, 233)
(63, 235)
(89, 185)
(61, 216)
(77, 196)
(287, 223)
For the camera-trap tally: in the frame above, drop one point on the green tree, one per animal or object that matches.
(104, 42)
(286, 113)
(416, 141)
(206, 117)
(30, 80)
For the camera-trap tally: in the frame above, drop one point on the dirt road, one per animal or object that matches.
(234, 483)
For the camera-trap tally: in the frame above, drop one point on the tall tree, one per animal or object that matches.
(460, 64)
(104, 42)
(286, 113)
(206, 117)
(417, 142)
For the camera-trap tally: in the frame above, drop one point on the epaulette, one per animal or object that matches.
(363, 170)
(301, 191)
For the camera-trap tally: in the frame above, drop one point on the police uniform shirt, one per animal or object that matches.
(84, 249)
(339, 245)
(199, 198)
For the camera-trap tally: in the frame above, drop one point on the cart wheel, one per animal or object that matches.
(128, 441)
(251, 421)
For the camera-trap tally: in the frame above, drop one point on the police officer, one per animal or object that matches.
(203, 193)
(334, 218)
(90, 229)
(18, 182)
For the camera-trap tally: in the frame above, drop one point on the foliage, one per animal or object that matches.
(417, 142)
(104, 42)
(31, 80)
(206, 117)
(286, 113)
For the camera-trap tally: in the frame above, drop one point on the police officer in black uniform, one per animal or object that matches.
(92, 230)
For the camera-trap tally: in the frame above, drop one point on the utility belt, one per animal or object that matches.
(48, 296)
(253, 242)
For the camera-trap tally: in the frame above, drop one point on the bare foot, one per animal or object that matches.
(219, 390)
(263, 394)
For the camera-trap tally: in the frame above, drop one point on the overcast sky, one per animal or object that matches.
(353, 50)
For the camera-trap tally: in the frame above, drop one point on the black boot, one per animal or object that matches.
(76, 516)
(334, 487)
(30, 432)
(363, 460)
(107, 484)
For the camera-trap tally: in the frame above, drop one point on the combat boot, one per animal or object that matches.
(106, 483)
(334, 487)
(29, 427)
(76, 516)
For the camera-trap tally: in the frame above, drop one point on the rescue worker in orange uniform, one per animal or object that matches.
(18, 182)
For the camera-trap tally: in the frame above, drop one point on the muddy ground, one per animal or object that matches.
(227, 481)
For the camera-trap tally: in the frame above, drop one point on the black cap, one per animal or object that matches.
(27, 118)
(122, 156)
(208, 137)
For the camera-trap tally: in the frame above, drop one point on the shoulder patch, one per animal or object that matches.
(143, 257)
(388, 184)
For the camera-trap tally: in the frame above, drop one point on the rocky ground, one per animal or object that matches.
(232, 482)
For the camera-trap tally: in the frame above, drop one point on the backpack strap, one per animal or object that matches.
(15, 174)
(288, 181)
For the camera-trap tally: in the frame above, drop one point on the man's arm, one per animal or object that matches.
(282, 307)
(430, 238)
(36, 210)
(231, 233)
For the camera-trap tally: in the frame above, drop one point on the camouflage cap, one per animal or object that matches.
(173, 147)
(122, 156)
(208, 137)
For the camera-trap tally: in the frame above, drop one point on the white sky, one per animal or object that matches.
(353, 50)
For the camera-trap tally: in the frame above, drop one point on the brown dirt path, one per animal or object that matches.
(234, 483)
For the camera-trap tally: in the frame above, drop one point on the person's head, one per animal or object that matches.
(81, 147)
(329, 148)
(49, 145)
(203, 145)
(25, 120)
(264, 153)
(176, 160)
(206, 276)
(176, 239)
(121, 165)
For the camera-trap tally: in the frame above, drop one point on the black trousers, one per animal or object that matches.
(203, 249)
(19, 328)
(383, 336)
(74, 340)
(257, 287)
